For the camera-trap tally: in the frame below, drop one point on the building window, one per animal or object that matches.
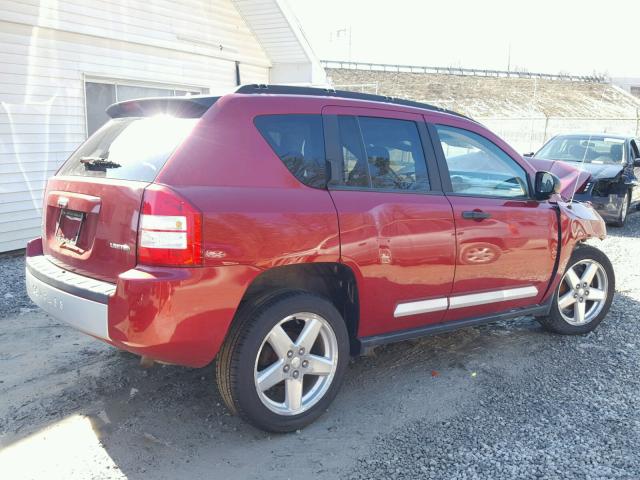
(99, 95)
(635, 91)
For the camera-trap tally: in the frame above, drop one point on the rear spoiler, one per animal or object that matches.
(182, 107)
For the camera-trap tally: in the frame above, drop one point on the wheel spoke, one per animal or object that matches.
(589, 273)
(319, 365)
(596, 294)
(293, 393)
(309, 333)
(270, 376)
(578, 312)
(288, 359)
(279, 341)
(572, 278)
(566, 300)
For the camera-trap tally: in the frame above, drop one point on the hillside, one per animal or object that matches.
(495, 97)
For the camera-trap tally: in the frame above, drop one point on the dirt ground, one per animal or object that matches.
(72, 407)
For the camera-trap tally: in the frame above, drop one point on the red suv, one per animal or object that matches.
(281, 230)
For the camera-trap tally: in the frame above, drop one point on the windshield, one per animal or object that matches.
(578, 148)
(132, 148)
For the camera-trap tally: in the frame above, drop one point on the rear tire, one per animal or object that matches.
(283, 361)
(580, 310)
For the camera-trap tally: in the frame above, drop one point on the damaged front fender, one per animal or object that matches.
(578, 222)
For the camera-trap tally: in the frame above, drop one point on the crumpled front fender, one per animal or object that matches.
(578, 222)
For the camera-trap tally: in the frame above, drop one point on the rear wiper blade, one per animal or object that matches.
(98, 163)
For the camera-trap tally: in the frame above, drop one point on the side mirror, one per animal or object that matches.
(530, 154)
(546, 184)
(636, 162)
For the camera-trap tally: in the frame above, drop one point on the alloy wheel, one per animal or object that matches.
(296, 363)
(582, 293)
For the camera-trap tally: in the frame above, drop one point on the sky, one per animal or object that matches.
(549, 36)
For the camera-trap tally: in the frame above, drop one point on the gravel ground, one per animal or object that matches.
(13, 296)
(502, 401)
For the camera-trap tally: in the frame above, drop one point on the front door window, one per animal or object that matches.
(477, 167)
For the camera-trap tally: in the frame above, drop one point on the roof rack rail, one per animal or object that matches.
(330, 92)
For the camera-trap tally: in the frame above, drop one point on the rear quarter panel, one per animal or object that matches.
(255, 211)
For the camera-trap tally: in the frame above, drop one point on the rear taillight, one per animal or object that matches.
(170, 229)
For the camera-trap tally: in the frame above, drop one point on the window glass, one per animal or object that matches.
(355, 171)
(478, 167)
(299, 142)
(182, 93)
(99, 97)
(130, 92)
(394, 153)
(596, 149)
(634, 149)
(382, 153)
(129, 148)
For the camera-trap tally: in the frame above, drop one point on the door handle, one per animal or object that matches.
(475, 215)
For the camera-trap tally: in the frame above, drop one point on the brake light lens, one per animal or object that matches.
(170, 229)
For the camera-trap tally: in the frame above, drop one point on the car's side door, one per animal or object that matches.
(506, 240)
(635, 156)
(396, 226)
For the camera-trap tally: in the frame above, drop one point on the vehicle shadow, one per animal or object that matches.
(170, 422)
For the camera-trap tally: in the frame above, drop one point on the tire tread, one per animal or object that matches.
(554, 322)
(227, 365)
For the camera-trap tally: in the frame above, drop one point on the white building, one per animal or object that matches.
(63, 61)
(628, 84)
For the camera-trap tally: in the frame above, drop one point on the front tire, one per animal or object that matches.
(584, 295)
(624, 211)
(284, 361)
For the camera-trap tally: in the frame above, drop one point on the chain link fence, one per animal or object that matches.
(529, 134)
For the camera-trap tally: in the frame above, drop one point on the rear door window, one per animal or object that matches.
(299, 142)
(130, 148)
(355, 171)
(381, 154)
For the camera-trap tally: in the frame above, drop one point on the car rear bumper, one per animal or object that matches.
(172, 315)
(88, 316)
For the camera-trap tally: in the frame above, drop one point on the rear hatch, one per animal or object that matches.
(92, 205)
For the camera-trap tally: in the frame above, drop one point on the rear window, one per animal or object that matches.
(299, 142)
(129, 148)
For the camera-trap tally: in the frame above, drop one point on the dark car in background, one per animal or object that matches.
(613, 166)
